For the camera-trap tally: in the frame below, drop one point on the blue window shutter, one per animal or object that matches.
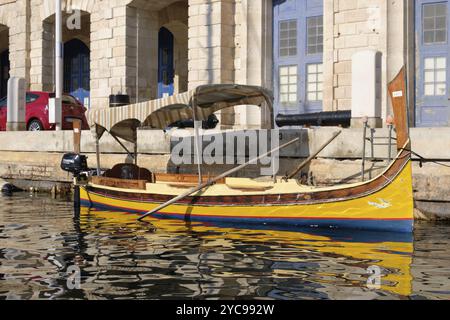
(432, 103)
(300, 11)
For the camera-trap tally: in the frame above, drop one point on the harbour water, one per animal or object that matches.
(49, 251)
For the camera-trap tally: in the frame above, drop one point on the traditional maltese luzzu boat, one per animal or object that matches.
(384, 203)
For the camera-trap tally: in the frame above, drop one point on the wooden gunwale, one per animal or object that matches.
(301, 198)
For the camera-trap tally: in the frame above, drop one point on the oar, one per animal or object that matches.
(313, 156)
(212, 181)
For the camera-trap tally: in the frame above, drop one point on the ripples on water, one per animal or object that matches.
(120, 259)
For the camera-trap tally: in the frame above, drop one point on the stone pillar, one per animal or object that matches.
(108, 54)
(41, 50)
(329, 56)
(117, 65)
(142, 53)
(366, 88)
(18, 15)
(211, 42)
(349, 27)
(211, 46)
(254, 56)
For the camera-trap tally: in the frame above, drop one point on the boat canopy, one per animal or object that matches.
(123, 122)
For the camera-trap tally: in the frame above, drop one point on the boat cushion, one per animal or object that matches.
(129, 171)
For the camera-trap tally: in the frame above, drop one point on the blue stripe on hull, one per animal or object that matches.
(405, 225)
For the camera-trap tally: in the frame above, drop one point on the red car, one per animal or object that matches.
(36, 116)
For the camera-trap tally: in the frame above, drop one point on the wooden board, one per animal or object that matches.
(120, 183)
(76, 135)
(397, 91)
(183, 178)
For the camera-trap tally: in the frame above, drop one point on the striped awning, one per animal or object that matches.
(123, 121)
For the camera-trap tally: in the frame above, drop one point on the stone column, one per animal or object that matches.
(254, 56)
(353, 26)
(117, 65)
(41, 46)
(329, 56)
(18, 15)
(142, 53)
(108, 54)
(211, 42)
(211, 46)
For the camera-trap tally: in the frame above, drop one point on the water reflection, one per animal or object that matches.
(120, 258)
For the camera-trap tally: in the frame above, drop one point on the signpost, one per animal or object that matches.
(55, 104)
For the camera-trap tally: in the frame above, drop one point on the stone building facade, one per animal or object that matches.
(301, 49)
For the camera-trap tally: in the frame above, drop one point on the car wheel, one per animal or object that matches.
(35, 125)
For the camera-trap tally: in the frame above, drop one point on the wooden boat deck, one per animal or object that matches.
(170, 184)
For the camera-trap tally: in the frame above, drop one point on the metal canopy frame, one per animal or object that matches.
(216, 97)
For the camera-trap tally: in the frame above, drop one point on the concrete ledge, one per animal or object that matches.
(154, 141)
(429, 142)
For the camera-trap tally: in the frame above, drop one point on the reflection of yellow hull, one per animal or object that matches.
(388, 209)
(394, 257)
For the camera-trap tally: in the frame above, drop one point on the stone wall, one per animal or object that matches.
(253, 56)
(112, 30)
(211, 42)
(350, 26)
(216, 41)
(14, 15)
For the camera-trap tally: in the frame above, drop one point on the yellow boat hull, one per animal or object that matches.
(387, 209)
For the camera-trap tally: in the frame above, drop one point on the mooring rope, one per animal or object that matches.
(423, 159)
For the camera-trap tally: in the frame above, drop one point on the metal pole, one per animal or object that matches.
(58, 59)
(135, 153)
(313, 156)
(135, 147)
(137, 55)
(97, 151)
(390, 144)
(363, 167)
(197, 142)
(123, 146)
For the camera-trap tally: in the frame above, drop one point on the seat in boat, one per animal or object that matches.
(129, 171)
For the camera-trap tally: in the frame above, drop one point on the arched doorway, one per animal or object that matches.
(77, 70)
(165, 63)
(4, 73)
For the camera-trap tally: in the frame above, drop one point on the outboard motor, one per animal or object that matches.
(74, 163)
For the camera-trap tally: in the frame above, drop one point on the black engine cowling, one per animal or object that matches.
(74, 163)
